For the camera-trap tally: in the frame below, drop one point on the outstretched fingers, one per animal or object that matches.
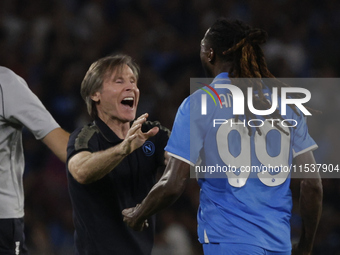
(141, 119)
(132, 133)
(135, 137)
(152, 132)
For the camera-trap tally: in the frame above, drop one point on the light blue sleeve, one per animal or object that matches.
(302, 141)
(179, 142)
(188, 132)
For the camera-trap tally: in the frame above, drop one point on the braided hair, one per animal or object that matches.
(239, 44)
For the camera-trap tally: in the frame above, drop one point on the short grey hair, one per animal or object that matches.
(95, 76)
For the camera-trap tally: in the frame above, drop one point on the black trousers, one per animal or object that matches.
(12, 237)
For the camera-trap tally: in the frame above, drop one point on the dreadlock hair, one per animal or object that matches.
(238, 43)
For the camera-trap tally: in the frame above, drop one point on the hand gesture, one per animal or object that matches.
(135, 138)
(131, 220)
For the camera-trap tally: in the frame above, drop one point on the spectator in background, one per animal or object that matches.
(19, 108)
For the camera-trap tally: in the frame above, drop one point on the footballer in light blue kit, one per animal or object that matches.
(246, 207)
(240, 212)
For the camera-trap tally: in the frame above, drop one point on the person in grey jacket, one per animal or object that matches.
(20, 107)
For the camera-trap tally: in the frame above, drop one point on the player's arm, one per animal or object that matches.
(57, 140)
(87, 167)
(165, 192)
(166, 158)
(310, 204)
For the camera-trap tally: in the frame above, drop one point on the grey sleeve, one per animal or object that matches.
(21, 106)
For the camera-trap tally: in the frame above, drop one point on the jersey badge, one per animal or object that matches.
(148, 148)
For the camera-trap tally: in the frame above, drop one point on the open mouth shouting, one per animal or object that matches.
(128, 101)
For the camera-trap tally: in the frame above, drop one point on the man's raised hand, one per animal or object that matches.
(135, 138)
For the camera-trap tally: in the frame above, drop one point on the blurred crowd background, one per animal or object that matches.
(51, 44)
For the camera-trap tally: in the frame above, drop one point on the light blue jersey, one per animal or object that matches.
(244, 207)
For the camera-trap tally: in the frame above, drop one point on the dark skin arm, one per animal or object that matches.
(164, 193)
(310, 204)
